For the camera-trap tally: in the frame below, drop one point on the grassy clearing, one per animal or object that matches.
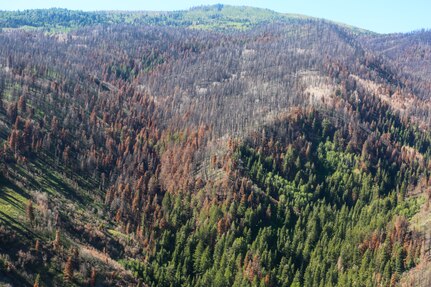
(13, 201)
(118, 234)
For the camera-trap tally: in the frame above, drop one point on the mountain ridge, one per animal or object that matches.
(234, 17)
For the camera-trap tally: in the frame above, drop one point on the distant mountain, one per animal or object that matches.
(219, 146)
(215, 17)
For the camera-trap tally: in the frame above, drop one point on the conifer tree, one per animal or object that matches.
(37, 281)
(30, 212)
(93, 277)
(68, 269)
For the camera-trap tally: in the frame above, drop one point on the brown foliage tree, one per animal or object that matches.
(68, 269)
(93, 277)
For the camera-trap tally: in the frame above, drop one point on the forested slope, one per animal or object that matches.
(286, 151)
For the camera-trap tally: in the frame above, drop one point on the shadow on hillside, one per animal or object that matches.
(8, 184)
(16, 226)
(56, 183)
(12, 278)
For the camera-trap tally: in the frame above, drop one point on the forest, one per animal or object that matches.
(219, 146)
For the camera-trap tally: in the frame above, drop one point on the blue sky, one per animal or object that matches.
(382, 16)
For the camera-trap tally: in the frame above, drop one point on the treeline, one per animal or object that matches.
(50, 18)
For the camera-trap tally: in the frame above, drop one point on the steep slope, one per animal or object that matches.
(408, 55)
(410, 52)
(206, 156)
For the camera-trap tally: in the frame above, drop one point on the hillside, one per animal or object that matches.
(409, 50)
(216, 17)
(259, 149)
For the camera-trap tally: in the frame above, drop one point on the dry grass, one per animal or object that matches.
(92, 253)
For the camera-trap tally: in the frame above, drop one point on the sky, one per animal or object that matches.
(383, 16)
